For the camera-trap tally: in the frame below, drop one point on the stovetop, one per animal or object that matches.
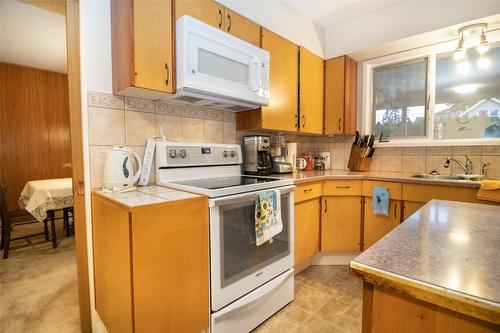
(223, 182)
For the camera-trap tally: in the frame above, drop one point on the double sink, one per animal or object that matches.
(473, 178)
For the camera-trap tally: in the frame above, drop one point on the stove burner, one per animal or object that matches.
(223, 182)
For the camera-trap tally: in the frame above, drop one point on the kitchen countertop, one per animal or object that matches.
(147, 195)
(446, 248)
(309, 176)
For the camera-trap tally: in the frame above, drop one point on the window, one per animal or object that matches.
(425, 96)
(400, 99)
(467, 99)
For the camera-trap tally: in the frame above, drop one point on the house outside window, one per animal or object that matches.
(426, 97)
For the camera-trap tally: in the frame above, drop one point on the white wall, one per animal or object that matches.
(282, 19)
(402, 20)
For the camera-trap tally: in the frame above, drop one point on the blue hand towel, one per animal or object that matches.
(380, 201)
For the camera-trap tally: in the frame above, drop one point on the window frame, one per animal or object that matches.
(430, 52)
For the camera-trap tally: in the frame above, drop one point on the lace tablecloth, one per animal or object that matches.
(38, 196)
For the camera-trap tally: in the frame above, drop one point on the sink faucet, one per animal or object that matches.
(467, 167)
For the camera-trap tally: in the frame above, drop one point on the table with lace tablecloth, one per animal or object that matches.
(41, 198)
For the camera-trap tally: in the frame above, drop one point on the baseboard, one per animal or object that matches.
(329, 258)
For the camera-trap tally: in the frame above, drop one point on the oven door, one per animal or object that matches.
(238, 265)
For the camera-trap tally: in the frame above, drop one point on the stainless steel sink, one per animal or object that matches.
(479, 178)
(437, 177)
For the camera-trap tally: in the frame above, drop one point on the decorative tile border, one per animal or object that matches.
(193, 112)
(467, 150)
(444, 150)
(214, 114)
(140, 105)
(169, 109)
(105, 100)
(229, 116)
(414, 151)
(491, 150)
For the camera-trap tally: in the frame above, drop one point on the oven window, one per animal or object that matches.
(240, 256)
(224, 68)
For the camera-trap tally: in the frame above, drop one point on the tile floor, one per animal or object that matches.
(327, 299)
(38, 287)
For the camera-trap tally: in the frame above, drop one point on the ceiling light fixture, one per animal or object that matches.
(460, 50)
(471, 35)
(465, 88)
(483, 45)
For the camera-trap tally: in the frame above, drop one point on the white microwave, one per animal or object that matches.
(218, 70)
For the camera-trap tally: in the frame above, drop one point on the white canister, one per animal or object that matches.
(291, 154)
(326, 157)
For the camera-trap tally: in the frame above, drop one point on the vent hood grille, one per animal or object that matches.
(206, 100)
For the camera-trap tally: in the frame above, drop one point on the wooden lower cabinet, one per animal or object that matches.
(151, 265)
(410, 207)
(341, 224)
(377, 226)
(307, 229)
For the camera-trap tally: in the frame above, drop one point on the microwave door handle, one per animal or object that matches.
(257, 77)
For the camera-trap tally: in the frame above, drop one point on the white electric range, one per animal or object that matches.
(248, 283)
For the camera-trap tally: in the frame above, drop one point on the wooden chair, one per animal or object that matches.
(8, 221)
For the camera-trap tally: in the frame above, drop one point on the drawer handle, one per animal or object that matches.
(308, 190)
(344, 186)
(229, 26)
(220, 16)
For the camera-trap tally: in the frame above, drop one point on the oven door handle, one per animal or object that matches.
(245, 196)
(254, 296)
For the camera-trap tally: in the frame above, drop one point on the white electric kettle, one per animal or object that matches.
(118, 171)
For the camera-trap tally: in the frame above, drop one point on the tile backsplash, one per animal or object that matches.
(405, 159)
(117, 120)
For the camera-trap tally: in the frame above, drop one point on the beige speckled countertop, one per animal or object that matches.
(446, 248)
(308, 176)
(148, 195)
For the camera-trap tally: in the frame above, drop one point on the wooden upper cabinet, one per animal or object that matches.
(311, 92)
(281, 113)
(142, 48)
(207, 11)
(241, 27)
(340, 95)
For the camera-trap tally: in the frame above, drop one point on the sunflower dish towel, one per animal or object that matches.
(267, 216)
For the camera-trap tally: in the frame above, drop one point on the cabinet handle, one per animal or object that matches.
(308, 190)
(220, 22)
(340, 120)
(346, 186)
(326, 206)
(167, 74)
(395, 209)
(296, 121)
(303, 121)
(229, 18)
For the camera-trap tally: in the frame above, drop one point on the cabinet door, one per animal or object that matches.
(281, 114)
(153, 45)
(171, 267)
(307, 220)
(334, 96)
(410, 207)
(311, 92)
(206, 11)
(341, 224)
(377, 226)
(242, 27)
(340, 95)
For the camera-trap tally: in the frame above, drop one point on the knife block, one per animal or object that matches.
(357, 162)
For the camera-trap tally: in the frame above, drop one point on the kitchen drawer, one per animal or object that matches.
(425, 193)
(346, 187)
(394, 188)
(307, 191)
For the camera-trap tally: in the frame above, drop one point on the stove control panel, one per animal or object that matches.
(189, 154)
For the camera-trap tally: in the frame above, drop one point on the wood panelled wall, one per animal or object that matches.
(34, 128)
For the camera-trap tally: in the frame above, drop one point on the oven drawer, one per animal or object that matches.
(307, 191)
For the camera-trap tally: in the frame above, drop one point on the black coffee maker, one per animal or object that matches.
(257, 155)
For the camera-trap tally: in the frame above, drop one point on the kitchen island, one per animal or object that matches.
(439, 271)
